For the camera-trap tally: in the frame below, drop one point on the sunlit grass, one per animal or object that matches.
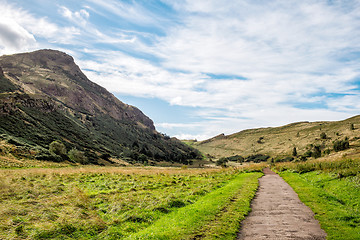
(208, 217)
(98, 202)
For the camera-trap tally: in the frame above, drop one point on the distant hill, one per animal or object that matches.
(44, 97)
(280, 141)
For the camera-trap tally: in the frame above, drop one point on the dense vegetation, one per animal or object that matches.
(37, 123)
(257, 158)
(115, 203)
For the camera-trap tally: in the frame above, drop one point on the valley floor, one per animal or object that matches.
(124, 203)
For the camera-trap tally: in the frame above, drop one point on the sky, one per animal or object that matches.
(205, 67)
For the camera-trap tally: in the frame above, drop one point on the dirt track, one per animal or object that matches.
(278, 213)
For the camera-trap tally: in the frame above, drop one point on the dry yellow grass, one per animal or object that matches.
(84, 201)
(280, 141)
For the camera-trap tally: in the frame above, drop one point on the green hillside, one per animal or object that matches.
(44, 97)
(281, 141)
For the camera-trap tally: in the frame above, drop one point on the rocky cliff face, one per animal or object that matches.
(54, 74)
(44, 97)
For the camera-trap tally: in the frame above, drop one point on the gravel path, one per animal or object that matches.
(278, 213)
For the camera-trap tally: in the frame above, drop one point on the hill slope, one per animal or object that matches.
(280, 141)
(44, 96)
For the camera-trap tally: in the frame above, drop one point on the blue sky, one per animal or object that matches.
(205, 67)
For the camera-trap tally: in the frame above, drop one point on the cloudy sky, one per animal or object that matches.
(205, 67)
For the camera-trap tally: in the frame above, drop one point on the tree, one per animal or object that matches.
(352, 126)
(294, 153)
(58, 148)
(142, 158)
(77, 156)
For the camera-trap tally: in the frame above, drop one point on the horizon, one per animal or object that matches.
(199, 69)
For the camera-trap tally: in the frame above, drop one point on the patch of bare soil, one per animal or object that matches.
(278, 213)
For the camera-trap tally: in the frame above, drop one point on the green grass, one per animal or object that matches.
(186, 222)
(342, 167)
(115, 203)
(335, 201)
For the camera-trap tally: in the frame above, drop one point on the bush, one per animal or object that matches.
(257, 158)
(260, 140)
(317, 152)
(294, 153)
(222, 162)
(77, 156)
(323, 135)
(308, 154)
(327, 152)
(340, 145)
(47, 156)
(235, 158)
(58, 148)
(142, 158)
(285, 159)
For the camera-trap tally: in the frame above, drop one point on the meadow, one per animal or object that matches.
(331, 188)
(124, 203)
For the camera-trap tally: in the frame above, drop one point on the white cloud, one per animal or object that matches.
(78, 17)
(292, 54)
(20, 30)
(14, 37)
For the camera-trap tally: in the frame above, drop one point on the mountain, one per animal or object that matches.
(280, 142)
(45, 97)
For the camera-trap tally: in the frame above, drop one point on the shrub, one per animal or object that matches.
(257, 158)
(317, 152)
(294, 153)
(77, 156)
(340, 145)
(45, 155)
(327, 152)
(142, 158)
(308, 154)
(260, 140)
(285, 159)
(222, 162)
(236, 158)
(58, 148)
(323, 135)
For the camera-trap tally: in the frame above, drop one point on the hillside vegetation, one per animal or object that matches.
(44, 97)
(279, 142)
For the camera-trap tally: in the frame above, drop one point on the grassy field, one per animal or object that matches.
(115, 203)
(280, 141)
(332, 190)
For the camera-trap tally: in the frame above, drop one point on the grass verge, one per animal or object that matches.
(218, 214)
(334, 200)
